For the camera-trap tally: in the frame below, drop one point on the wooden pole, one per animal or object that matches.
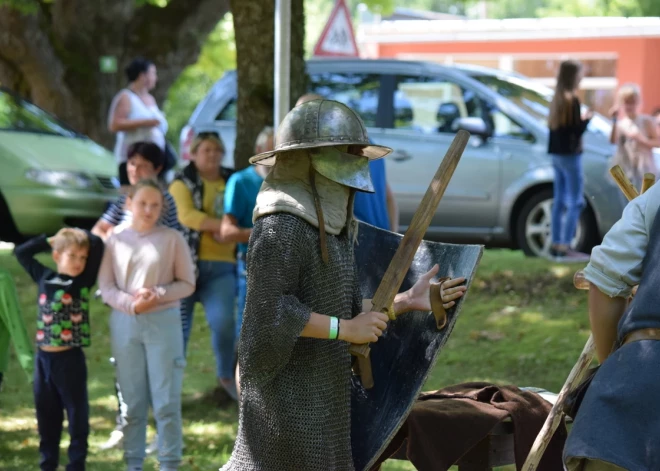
(649, 180)
(556, 413)
(624, 183)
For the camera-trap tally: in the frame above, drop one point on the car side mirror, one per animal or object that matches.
(476, 126)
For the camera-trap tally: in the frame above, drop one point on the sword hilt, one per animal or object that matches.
(359, 350)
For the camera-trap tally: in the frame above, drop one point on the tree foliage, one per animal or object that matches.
(217, 56)
(50, 50)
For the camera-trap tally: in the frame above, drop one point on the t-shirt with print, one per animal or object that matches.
(117, 213)
(241, 198)
(63, 302)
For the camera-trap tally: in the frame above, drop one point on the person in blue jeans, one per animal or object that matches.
(240, 199)
(567, 125)
(199, 192)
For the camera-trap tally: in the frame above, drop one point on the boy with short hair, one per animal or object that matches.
(60, 377)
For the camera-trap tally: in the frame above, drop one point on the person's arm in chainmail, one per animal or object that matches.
(357, 293)
(274, 318)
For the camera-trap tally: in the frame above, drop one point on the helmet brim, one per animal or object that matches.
(267, 159)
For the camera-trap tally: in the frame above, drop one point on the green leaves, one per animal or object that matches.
(157, 3)
(24, 6)
(217, 56)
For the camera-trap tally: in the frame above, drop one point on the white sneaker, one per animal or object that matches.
(116, 440)
(152, 447)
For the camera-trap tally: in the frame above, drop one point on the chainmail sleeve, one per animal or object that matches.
(278, 255)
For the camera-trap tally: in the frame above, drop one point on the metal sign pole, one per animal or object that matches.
(282, 60)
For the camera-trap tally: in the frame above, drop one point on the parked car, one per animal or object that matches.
(501, 191)
(50, 176)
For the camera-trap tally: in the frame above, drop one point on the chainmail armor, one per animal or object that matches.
(295, 392)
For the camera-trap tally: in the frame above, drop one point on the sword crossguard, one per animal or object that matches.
(390, 312)
(362, 350)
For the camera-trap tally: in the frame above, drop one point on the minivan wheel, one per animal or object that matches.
(533, 231)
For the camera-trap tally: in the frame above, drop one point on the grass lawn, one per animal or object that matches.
(523, 324)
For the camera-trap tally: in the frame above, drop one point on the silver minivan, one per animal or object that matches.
(501, 192)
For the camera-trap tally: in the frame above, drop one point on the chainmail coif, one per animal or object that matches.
(295, 392)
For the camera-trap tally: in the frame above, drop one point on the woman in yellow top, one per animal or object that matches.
(198, 191)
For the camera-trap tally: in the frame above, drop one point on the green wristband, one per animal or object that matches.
(334, 328)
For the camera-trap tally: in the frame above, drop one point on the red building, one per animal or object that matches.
(613, 50)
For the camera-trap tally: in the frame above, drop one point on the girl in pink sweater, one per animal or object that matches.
(147, 268)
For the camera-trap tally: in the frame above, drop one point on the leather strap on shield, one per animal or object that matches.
(437, 304)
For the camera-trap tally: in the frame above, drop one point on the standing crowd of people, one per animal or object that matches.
(156, 252)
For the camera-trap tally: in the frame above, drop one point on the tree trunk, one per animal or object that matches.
(254, 27)
(52, 56)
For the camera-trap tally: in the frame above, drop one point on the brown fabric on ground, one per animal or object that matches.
(444, 425)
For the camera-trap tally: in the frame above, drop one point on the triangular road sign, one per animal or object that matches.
(337, 38)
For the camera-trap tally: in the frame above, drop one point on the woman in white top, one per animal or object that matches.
(134, 115)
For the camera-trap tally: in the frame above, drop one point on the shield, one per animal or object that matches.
(406, 353)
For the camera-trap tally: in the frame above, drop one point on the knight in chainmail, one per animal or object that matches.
(295, 391)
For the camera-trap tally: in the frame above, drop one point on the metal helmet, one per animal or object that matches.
(320, 123)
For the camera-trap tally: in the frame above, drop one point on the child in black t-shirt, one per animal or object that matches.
(60, 376)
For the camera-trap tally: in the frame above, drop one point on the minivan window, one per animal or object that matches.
(431, 105)
(533, 99)
(17, 114)
(356, 90)
(228, 113)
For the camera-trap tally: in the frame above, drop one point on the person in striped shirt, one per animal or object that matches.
(145, 160)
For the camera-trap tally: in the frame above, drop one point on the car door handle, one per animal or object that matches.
(401, 156)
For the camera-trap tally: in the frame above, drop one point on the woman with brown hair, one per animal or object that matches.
(567, 125)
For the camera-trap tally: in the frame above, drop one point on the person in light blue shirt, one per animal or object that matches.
(240, 199)
(378, 209)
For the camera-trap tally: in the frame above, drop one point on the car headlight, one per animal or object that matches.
(60, 178)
